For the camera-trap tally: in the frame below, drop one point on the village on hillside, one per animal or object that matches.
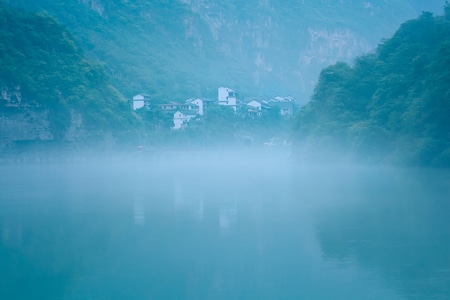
(195, 108)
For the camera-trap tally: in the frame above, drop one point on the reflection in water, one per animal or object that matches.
(199, 211)
(298, 233)
(5, 235)
(178, 194)
(398, 227)
(139, 212)
(188, 196)
(11, 233)
(227, 216)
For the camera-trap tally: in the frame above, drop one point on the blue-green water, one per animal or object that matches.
(222, 227)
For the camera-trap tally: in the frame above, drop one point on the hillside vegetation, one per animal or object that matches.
(44, 65)
(174, 50)
(389, 106)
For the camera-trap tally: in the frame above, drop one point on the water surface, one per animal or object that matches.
(222, 226)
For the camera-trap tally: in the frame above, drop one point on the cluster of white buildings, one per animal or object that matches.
(195, 108)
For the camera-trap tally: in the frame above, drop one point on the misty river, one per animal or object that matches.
(221, 225)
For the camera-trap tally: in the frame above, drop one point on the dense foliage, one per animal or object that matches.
(392, 105)
(42, 59)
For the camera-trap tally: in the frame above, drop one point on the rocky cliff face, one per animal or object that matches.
(24, 120)
(33, 125)
(18, 120)
(26, 134)
(10, 95)
(287, 43)
(24, 125)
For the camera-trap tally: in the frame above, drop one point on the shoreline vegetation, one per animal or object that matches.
(389, 106)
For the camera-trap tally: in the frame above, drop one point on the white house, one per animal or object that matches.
(227, 96)
(285, 105)
(254, 108)
(199, 103)
(286, 109)
(181, 118)
(254, 105)
(141, 100)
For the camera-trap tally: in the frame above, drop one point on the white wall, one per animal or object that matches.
(226, 96)
(138, 97)
(254, 104)
(137, 104)
(179, 119)
(138, 101)
(199, 102)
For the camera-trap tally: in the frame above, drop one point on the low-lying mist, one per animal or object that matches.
(219, 225)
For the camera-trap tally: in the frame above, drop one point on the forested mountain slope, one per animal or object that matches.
(178, 49)
(44, 69)
(389, 106)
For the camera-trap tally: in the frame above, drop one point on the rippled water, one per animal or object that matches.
(222, 226)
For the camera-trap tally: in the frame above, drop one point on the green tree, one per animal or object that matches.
(42, 58)
(390, 105)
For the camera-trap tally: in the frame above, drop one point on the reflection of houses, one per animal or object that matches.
(182, 117)
(141, 100)
(227, 97)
